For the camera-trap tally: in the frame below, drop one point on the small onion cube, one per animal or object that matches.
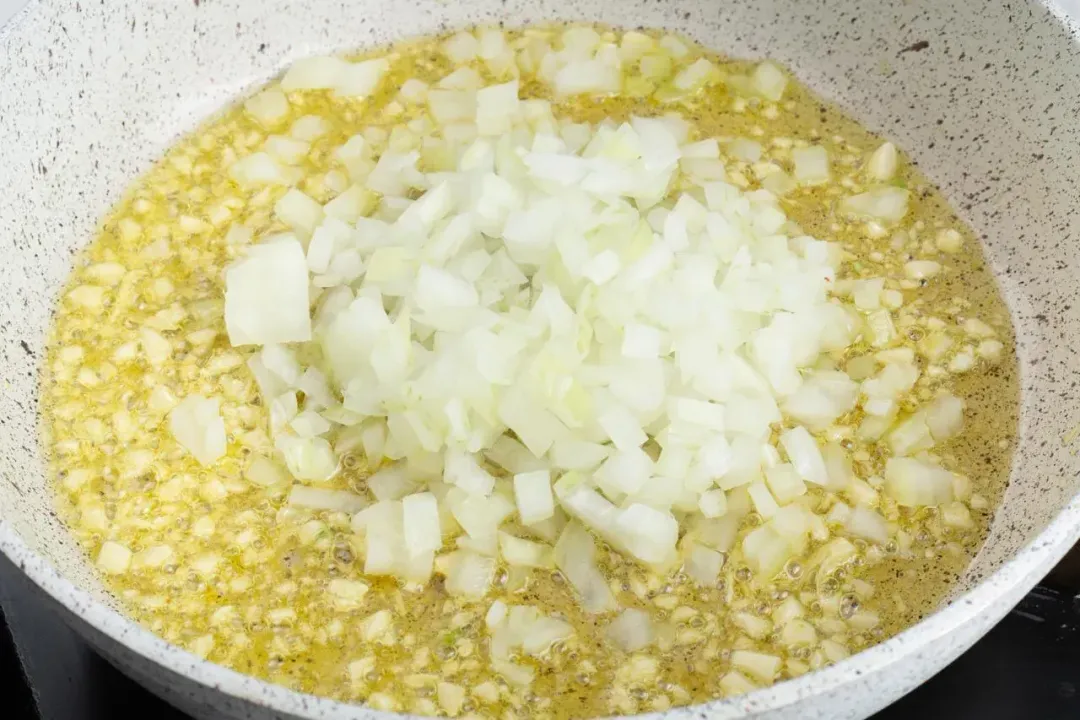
(703, 564)
(361, 79)
(471, 575)
(259, 169)
(945, 416)
(535, 427)
(323, 499)
(632, 630)
(512, 456)
(497, 106)
(518, 552)
(421, 523)
(648, 533)
(437, 289)
(622, 428)
(309, 424)
(266, 295)
(268, 107)
(626, 470)
(915, 483)
(577, 454)
(641, 341)
(264, 472)
(886, 203)
(310, 459)
(762, 666)
(867, 524)
(803, 452)
(785, 483)
(602, 268)
(769, 81)
(301, 213)
(463, 471)
(713, 503)
(391, 483)
(532, 493)
(197, 425)
(314, 73)
(764, 503)
(461, 48)
(574, 555)
(811, 165)
(309, 128)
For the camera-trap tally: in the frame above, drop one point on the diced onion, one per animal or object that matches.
(762, 666)
(805, 455)
(632, 630)
(811, 165)
(471, 575)
(197, 425)
(266, 295)
(574, 555)
(885, 203)
(769, 81)
(603, 311)
(323, 499)
(532, 492)
(703, 564)
(867, 524)
(525, 553)
(421, 523)
(916, 483)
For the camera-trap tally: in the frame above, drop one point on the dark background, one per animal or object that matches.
(1028, 667)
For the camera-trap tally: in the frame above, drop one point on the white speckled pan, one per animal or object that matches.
(984, 95)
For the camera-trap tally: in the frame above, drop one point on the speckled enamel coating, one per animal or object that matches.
(985, 97)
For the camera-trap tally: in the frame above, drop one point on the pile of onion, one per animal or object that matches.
(538, 333)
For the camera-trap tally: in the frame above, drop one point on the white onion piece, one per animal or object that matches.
(532, 492)
(649, 534)
(802, 450)
(769, 81)
(867, 524)
(703, 564)
(885, 203)
(262, 471)
(260, 169)
(463, 471)
(760, 665)
(421, 522)
(309, 459)
(945, 416)
(471, 575)
(519, 552)
(391, 483)
(266, 295)
(811, 165)
(574, 555)
(197, 425)
(323, 499)
(916, 483)
(785, 483)
(268, 107)
(361, 79)
(632, 630)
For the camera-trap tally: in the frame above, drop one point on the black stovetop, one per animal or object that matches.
(1026, 667)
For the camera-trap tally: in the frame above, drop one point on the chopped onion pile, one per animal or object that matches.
(518, 320)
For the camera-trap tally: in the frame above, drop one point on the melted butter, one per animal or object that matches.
(245, 579)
